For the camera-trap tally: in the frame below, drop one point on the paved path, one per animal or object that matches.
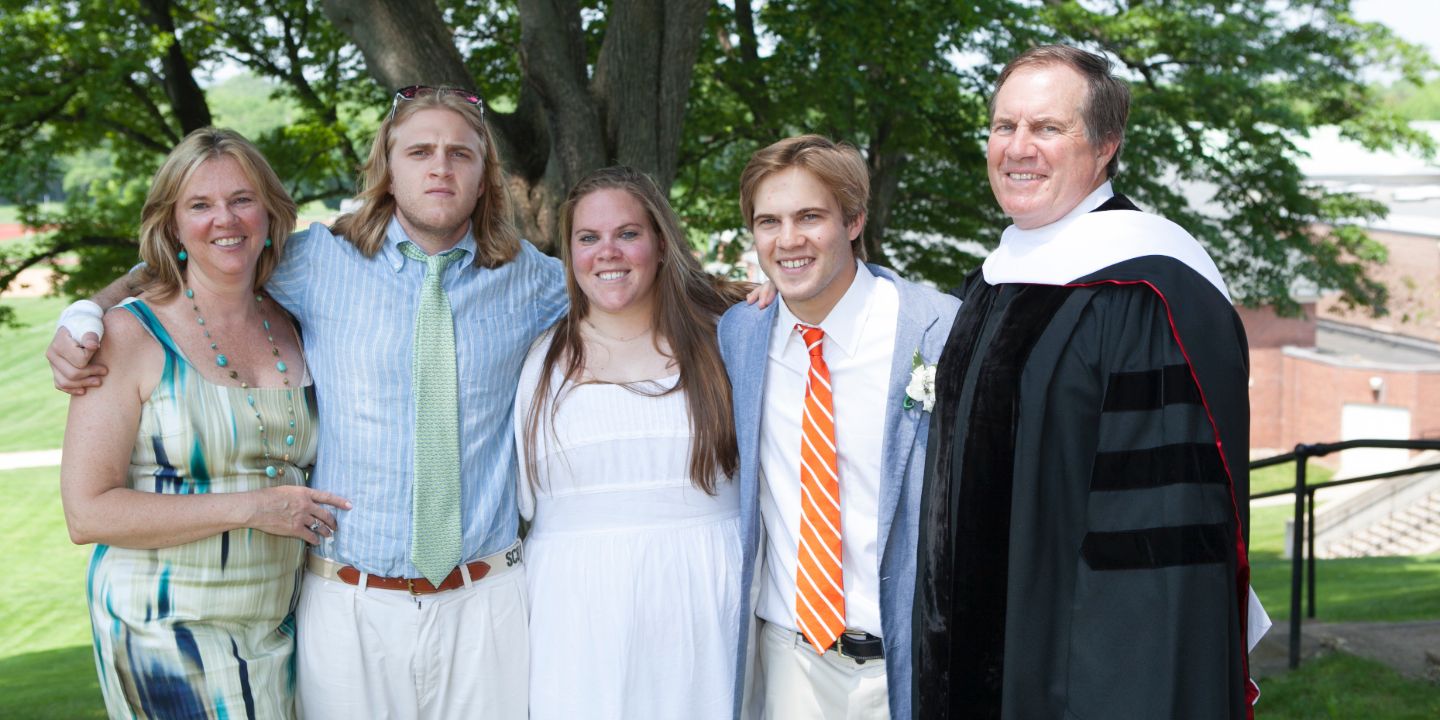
(1411, 648)
(29, 459)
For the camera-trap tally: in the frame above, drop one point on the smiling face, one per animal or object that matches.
(803, 242)
(220, 219)
(615, 252)
(1041, 164)
(436, 167)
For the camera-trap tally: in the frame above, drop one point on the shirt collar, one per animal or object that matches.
(395, 234)
(842, 325)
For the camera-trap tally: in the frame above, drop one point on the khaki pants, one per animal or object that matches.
(800, 683)
(371, 653)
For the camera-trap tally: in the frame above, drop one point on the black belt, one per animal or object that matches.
(856, 646)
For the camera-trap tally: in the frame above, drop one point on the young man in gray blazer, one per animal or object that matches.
(832, 443)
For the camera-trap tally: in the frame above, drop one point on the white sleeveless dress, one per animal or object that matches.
(633, 572)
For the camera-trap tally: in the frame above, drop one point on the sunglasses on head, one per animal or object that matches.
(410, 92)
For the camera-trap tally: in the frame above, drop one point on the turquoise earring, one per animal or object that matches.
(182, 255)
(269, 242)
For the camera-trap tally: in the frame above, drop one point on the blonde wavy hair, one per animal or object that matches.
(163, 275)
(496, 239)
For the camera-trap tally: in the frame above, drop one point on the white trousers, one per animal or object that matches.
(802, 684)
(371, 653)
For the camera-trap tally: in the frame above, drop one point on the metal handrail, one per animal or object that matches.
(1348, 481)
(1305, 510)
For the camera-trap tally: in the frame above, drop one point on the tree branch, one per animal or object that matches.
(187, 100)
(552, 56)
(60, 248)
(404, 41)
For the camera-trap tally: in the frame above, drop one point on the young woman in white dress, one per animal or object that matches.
(627, 446)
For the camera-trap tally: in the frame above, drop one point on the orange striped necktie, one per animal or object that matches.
(819, 578)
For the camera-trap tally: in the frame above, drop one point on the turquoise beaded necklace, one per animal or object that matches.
(224, 362)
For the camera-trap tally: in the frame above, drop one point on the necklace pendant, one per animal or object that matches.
(222, 361)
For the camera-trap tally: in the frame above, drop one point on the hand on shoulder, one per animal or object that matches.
(133, 358)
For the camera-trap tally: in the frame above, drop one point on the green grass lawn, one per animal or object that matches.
(1280, 477)
(49, 684)
(1344, 687)
(1389, 589)
(46, 666)
(32, 411)
(11, 213)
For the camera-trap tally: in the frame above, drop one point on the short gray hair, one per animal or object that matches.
(1107, 98)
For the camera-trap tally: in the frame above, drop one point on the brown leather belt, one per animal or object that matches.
(415, 586)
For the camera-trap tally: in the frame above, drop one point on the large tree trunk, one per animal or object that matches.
(886, 167)
(404, 42)
(566, 123)
(644, 71)
(553, 57)
(186, 97)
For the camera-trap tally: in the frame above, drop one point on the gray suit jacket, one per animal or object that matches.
(923, 324)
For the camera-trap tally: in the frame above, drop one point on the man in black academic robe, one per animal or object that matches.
(1081, 548)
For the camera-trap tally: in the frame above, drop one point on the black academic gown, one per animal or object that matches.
(1081, 549)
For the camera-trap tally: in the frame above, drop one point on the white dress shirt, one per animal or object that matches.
(859, 343)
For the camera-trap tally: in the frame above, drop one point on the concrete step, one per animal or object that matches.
(1411, 530)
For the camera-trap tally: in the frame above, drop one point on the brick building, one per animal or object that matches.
(1340, 374)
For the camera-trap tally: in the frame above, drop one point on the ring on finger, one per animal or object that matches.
(315, 526)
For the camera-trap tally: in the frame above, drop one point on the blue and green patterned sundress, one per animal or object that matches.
(204, 629)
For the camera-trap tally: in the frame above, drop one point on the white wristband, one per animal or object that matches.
(83, 316)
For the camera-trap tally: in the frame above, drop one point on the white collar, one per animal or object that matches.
(1084, 242)
(842, 324)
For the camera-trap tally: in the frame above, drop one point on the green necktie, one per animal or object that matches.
(435, 494)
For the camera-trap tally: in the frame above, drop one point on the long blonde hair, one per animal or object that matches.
(688, 303)
(497, 242)
(163, 275)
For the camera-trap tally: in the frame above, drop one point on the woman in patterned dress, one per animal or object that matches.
(186, 468)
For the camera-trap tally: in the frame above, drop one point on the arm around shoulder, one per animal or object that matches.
(71, 352)
(100, 434)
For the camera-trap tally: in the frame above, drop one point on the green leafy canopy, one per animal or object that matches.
(93, 94)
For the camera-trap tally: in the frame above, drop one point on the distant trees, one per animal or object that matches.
(1414, 102)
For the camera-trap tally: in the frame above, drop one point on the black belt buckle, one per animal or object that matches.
(860, 647)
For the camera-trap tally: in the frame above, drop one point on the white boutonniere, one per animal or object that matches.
(921, 389)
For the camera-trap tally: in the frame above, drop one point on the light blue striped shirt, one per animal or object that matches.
(357, 316)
